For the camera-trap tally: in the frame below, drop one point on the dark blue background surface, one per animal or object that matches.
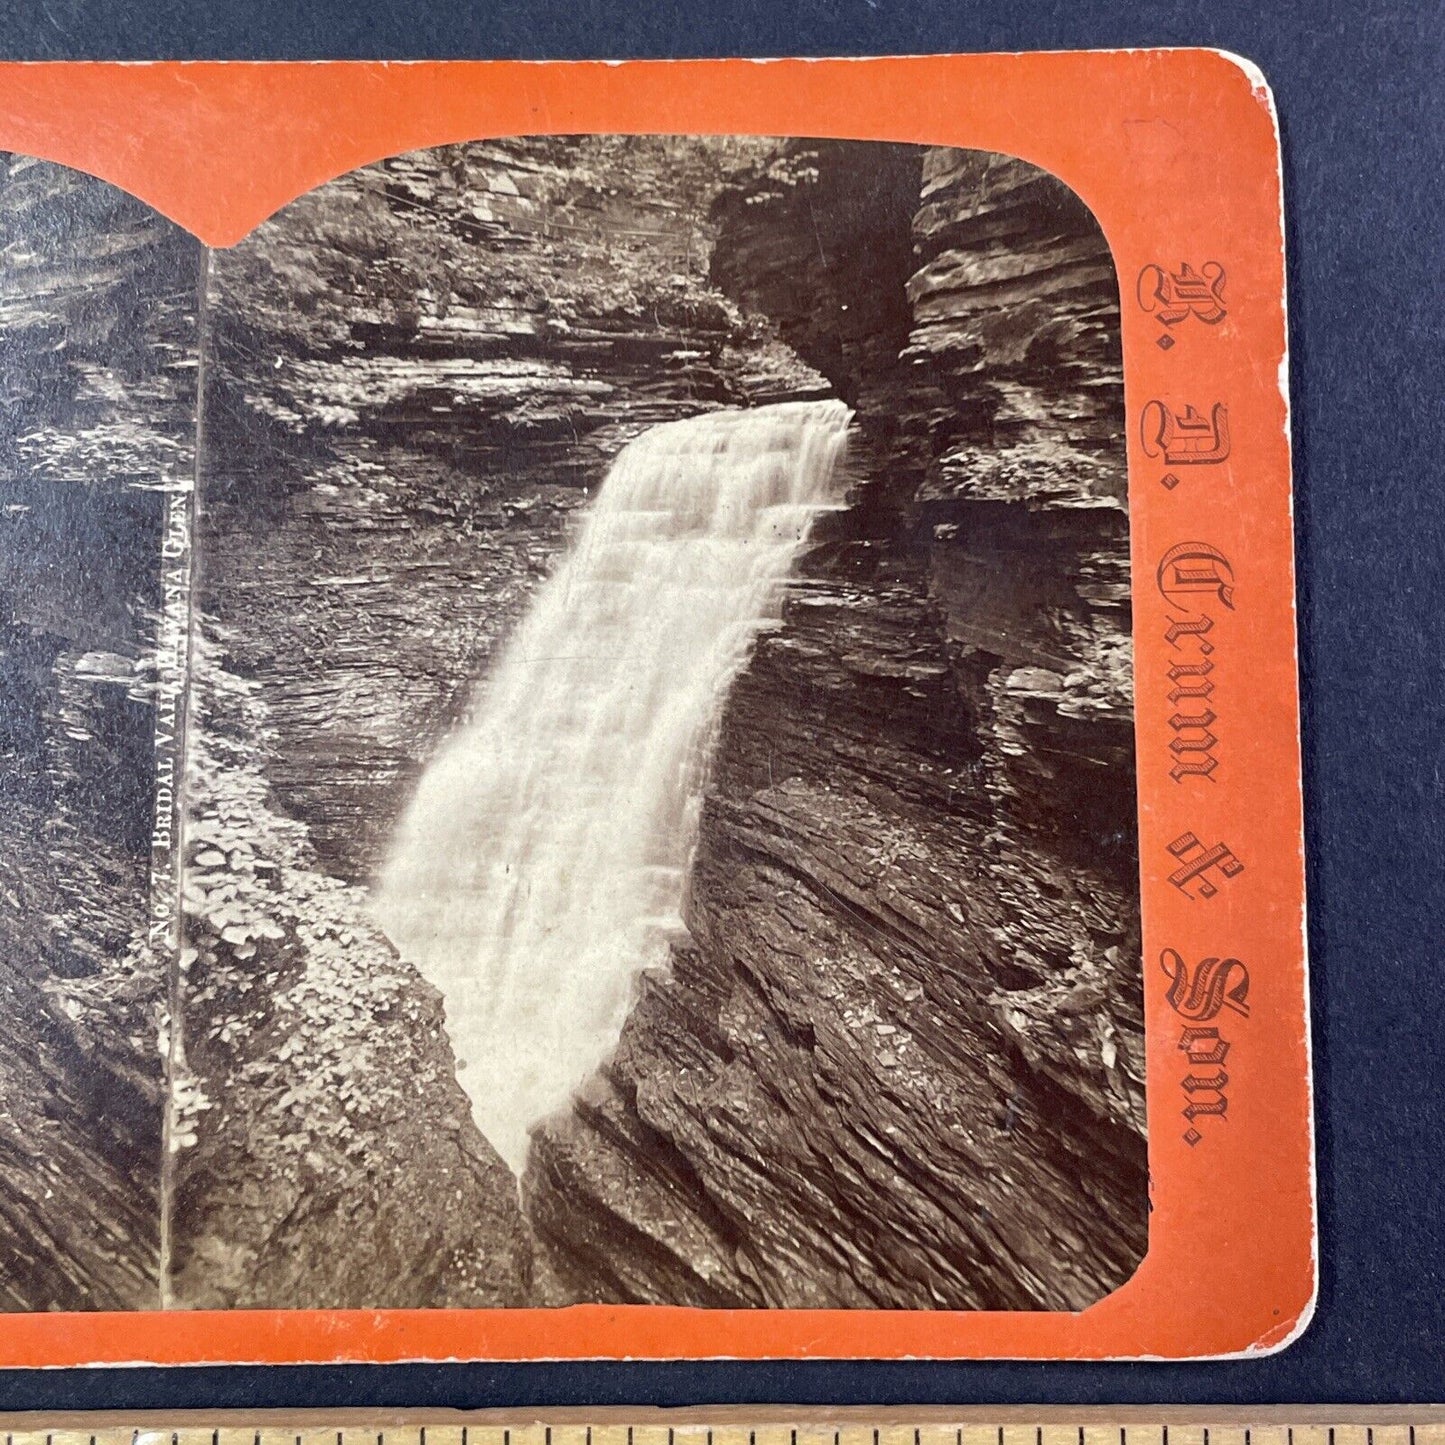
(1359, 91)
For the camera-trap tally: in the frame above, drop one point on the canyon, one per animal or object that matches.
(901, 1062)
(896, 1059)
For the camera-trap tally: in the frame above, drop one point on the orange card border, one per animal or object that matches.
(1177, 154)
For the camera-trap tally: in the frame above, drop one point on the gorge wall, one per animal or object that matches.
(416, 375)
(98, 352)
(901, 1064)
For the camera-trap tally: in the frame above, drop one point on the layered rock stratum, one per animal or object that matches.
(901, 1065)
(98, 354)
(417, 375)
(900, 1061)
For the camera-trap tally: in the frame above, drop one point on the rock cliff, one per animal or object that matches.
(98, 358)
(901, 1063)
(416, 374)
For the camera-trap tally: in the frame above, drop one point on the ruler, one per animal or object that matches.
(816, 1425)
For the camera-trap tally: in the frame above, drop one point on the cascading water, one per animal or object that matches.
(542, 861)
(541, 864)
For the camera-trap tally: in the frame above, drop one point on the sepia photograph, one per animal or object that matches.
(99, 356)
(650, 812)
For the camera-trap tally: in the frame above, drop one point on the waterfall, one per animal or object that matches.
(541, 864)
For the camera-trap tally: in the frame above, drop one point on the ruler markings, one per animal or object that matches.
(817, 1425)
